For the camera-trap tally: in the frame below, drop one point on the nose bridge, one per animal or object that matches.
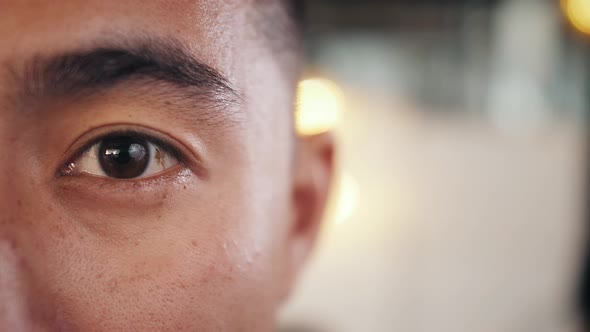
(13, 286)
(9, 191)
(22, 306)
(19, 184)
(15, 275)
(15, 122)
(14, 312)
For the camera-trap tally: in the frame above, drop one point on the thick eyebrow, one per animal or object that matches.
(82, 72)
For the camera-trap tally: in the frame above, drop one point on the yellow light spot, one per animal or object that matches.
(347, 200)
(319, 104)
(578, 12)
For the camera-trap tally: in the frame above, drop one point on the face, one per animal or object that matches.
(151, 179)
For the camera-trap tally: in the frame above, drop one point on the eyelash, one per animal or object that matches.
(151, 138)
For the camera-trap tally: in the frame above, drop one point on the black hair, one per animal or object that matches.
(296, 10)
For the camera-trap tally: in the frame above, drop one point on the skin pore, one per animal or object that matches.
(211, 235)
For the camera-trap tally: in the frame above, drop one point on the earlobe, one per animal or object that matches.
(312, 182)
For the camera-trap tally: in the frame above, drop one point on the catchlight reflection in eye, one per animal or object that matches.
(578, 12)
(319, 104)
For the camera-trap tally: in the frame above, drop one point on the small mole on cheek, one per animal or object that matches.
(194, 243)
(113, 286)
(58, 231)
(13, 244)
(208, 275)
(19, 202)
(6, 221)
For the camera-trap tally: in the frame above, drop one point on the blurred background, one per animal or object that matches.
(459, 203)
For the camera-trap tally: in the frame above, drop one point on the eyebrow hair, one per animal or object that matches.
(99, 68)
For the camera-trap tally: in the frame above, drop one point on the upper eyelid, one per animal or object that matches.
(76, 152)
(135, 133)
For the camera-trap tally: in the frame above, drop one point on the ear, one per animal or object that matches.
(314, 168)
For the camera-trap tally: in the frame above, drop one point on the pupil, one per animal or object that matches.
(123, 157)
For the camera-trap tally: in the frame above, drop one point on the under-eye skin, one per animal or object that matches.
(123, 155)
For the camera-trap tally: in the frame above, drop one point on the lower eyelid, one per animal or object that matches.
(144, 192)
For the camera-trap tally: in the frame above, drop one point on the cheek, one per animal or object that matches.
(188, 266)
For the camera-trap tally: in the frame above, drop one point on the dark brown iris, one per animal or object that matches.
(124, 157)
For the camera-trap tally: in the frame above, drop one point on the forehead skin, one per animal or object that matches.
(188, 253)
(213, 30)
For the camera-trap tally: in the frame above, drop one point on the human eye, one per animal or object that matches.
(123, 155)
